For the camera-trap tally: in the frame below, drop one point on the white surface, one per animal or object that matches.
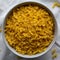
(5, 5)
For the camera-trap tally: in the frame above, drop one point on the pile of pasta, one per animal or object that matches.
(29, 29)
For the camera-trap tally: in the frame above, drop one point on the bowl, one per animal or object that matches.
(55, 32)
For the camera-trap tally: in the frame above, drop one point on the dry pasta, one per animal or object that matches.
(53, 51)
(29, 29)
(54, 56)
(56, 4)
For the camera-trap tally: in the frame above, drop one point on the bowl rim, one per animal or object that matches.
(27, 56)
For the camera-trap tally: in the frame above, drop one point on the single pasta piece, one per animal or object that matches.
(0, 29)
(56, 4)
(53, 51)
(54, 56)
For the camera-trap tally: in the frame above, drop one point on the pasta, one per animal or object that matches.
(54, 53)
(29, 29)
(56, 4)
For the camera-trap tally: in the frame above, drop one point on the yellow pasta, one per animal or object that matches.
(29, 29)
(53, 51)
(56, 4)
(54, 56)
(0, 29)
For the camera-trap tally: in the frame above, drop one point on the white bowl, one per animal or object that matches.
(48, 48)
